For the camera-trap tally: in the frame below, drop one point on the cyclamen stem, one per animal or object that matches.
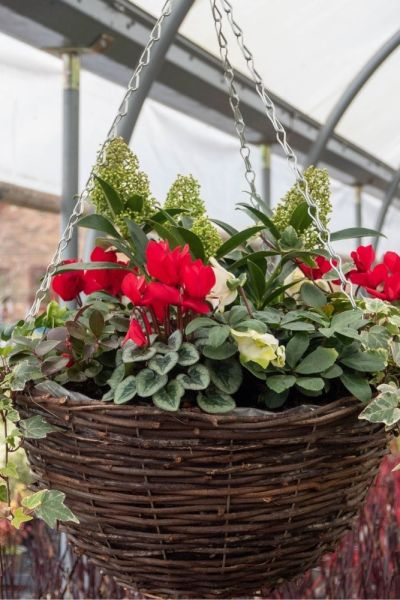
(245, 300)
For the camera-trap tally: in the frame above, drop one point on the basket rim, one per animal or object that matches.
(306, 413)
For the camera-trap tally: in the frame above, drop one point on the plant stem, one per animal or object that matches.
(245, 300)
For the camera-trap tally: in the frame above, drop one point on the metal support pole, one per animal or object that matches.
(358, 190)
(127, 124)
(70, 145)
(389, 197)
(348, 96)
(266, 174)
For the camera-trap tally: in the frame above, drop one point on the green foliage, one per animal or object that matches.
(184, 194)
(121, 172)
(287, 211)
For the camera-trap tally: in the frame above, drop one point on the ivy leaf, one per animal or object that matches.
(296, 347)
(197, 378)
(175, 340)
(376, 338)
(317, 361)
(3, 493)
(148, 382)
(53, 509)
(19, 517)
(163, 363)
(385, 407)
(36, 427)
(357, 385)
(10, 470)
(217, 403)
(310, 384)
(226, 375)
(188, 354)
(169, 398)
(24, 371)
(280, 383)
(125, 391)
(312, 295)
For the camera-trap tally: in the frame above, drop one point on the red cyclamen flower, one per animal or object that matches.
(165, 264)
(136, 334)
(134, 287)
(69, 284)
(315, 273)
(108, 280)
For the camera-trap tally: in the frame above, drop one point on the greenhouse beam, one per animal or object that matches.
(348, 96)
(150, 73)
(70, 148)
(387, 202)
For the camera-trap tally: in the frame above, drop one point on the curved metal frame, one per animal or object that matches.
(348, 96)
(127, 124)
(389, 196)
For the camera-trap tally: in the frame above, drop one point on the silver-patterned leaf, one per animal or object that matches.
(148, 382)
(197, 378)
(163, 363)
(188, 354)
(169, 398)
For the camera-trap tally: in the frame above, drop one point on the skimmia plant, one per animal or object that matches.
(185, 313)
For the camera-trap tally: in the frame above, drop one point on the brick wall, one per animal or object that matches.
(28, 239)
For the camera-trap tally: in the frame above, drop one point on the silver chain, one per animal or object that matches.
(281, 136)
(234, 101)
(78, 211)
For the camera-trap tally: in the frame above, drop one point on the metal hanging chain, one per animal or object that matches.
(234, 102)
(281, 136)
(78, 211)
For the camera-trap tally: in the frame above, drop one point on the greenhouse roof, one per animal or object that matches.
(308, 53)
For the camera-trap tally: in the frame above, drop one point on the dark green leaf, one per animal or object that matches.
(99, 223)
(195, 243)
(135, 203)
(96, 323)
(300, 218)
(260, 216)
(226, 375)
(221, 353)
(280, 383)
(198, 323)
(357, 385)
(237, 240)
(312, 295)
(139, 239)
(367, 362)
(296, 347)
(354, 232)
(217, 335)
(310, 384)
(317, 361)
(112, 197)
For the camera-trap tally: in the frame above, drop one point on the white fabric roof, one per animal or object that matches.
(308, 51)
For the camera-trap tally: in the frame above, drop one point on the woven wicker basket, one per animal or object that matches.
(193, 505)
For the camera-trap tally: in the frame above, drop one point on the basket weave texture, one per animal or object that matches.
(192, 505)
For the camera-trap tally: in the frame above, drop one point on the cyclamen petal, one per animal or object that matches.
(136, 334)
(70, 284)
(198, 279)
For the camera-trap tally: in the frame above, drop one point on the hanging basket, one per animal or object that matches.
(194, 505)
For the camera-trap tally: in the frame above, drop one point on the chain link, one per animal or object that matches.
(281, 136)
(234, 102)
(78, 211)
